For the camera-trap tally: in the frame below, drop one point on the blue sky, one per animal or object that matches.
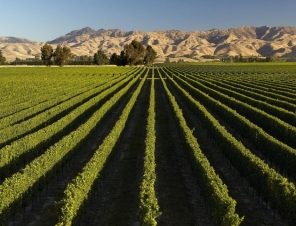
(41, 20)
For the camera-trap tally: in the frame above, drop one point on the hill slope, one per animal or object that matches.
(247, 41)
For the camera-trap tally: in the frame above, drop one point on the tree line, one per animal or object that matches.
(2, 58)
(132, 54)
(61, 55)
(243, 59)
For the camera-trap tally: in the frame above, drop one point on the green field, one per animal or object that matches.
(176, 144)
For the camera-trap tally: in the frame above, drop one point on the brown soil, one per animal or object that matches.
(176, 188)
(118, 197)
(41, 209)
(249, 204)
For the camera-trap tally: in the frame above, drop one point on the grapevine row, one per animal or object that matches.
(16, 189)
(213, 189)
(21, 101)
(255, 80)
(28, 145)
(274, 126)
(273, 187)
(18, 130)
(149, 208)
(278, 99)
(64, 95)
(78, 191)
(246, 91)
(28, 92)
(277, 152)
(280, 113)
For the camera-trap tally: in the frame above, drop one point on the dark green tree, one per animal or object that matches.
(2, 58)
(62, 55)
(150, 55)
(122, 58)
(81, 60)
(100, 58)
(115, 59)
(240, 58)
(47, 54)
(167, 60)
(134, 53)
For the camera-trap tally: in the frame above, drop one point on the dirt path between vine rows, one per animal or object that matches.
(248, 204)
(117, 202)
(41, 210)
(177, 191)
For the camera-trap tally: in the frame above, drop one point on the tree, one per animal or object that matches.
(47, 54)
(62, 55)
(240, 58)
(84, 60)
(115, 60)
(100, 58)
(150, 55)
(122, 58)
(167, 60)
(2, 58)
(134, 53)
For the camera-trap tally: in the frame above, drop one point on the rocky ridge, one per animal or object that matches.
(247, 41)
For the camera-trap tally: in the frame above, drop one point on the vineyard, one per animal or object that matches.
(173, 144)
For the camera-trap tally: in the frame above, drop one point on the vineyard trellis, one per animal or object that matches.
(48, 116)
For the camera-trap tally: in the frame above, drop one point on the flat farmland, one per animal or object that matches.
(173, 144)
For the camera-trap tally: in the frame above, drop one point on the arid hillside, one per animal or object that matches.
(247, 41)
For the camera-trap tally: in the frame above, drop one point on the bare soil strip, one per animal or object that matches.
(117, 202)
(41, 210)
(176, 188)
(248, 204)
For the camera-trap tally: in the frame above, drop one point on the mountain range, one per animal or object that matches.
(247, 40)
